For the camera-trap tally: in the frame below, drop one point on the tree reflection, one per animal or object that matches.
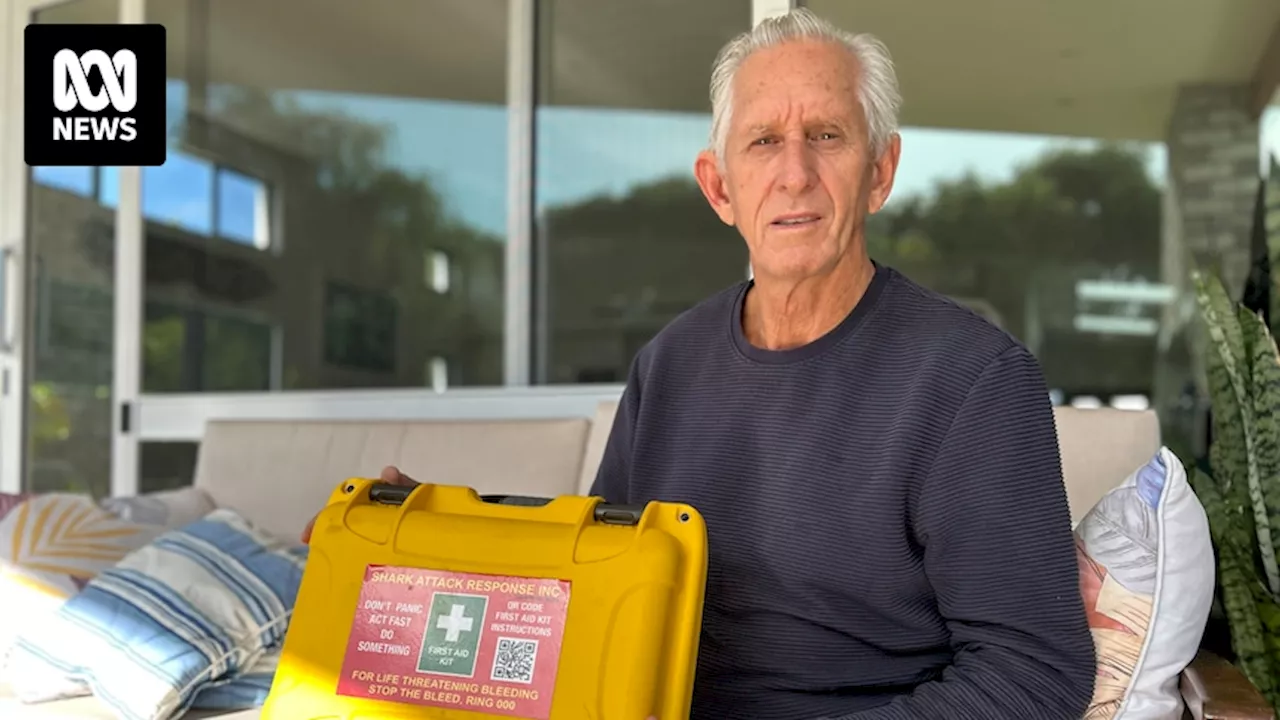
(616, 270)
(621, 268)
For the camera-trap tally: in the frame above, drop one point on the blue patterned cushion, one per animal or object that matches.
(246, 689)
(198, 605)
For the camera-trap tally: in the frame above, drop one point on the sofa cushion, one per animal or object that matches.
(1099, 446)
(80, 708)
(1147, 577)
(91, 708)
(246, 689)
(197, 605)
(53, 544)
(165, 508)
(601, 426)
(57, 542)
(280, 473)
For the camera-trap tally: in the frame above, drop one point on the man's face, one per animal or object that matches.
(799, 176)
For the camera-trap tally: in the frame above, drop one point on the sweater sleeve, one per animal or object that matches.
(614, 474)
(993, 521)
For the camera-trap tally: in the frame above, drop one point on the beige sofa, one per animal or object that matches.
(279, 473)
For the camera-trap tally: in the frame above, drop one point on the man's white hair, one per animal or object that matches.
(877, 82)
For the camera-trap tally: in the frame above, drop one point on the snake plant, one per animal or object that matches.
(1240, 490)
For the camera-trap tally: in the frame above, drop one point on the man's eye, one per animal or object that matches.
(826, 136)
(763, 141)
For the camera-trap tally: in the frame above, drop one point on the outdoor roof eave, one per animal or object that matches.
(1266, 79)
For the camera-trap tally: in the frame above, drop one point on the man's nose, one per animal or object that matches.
(797, 171)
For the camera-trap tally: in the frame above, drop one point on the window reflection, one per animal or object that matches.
(70, 291)
(312, 189)
(625, 239)
(1056, 240)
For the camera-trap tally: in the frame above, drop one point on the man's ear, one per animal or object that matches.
(712, 182)
(883, 172)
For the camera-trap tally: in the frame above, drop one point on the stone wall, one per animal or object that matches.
(1213, 148)
(1213, 163)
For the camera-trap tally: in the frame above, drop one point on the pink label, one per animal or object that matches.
(485, 643)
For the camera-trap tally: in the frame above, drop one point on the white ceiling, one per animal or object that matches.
(652, 54)
(1099, 68)
(1102, 68)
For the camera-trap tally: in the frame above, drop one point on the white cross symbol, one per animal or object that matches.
(455, 623)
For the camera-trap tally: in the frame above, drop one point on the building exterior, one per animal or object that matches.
(382, 209)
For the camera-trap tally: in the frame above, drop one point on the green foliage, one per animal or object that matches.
(1022, 242)
(1241, 492)
(1271, 233)
(1068, 206)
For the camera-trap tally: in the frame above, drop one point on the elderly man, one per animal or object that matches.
(877, 466)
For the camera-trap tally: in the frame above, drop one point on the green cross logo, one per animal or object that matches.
(452, 636)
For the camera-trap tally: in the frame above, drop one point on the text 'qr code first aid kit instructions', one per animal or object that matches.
(457, 640)
(432, 601)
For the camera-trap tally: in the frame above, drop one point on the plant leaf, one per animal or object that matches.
(1238, 582)
(1235, 433)
(1265, 392)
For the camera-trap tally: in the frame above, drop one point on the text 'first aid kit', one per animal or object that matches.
(431, 601)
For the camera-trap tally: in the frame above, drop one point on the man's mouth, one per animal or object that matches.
(794, 220)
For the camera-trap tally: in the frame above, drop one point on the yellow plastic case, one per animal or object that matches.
(433, 602)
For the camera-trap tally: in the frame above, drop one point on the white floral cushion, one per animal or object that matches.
(1147, 576)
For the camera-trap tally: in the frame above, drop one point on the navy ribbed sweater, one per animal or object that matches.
(888, 529)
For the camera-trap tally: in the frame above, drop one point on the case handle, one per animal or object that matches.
(604, 512)
(520, 500)
(390, 494)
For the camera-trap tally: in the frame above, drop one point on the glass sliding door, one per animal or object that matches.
(624, 239)
(11, 281)
(332, 216)
(57, 336)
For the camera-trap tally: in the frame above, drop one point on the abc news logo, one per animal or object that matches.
(71, 91)
(95, 95)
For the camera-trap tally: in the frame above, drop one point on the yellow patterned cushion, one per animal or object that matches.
(57, 543)
(51, 546)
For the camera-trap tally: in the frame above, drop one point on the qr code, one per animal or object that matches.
(513, 661)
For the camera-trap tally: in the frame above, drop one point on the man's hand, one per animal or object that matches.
(390, 475)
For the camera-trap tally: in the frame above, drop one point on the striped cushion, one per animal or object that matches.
(51, 546)
(247, 689)
(196, 606)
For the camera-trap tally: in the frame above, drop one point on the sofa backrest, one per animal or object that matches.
(279, 473)
(1099, 449)
(597, 438)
